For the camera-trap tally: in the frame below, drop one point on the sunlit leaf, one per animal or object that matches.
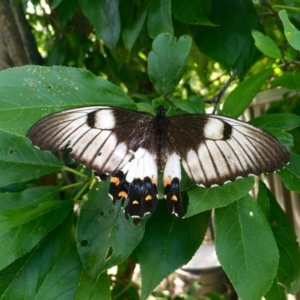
(266, 45)
(292, 34)
(240, 98)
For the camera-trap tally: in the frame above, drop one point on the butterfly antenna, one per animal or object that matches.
(216, 99)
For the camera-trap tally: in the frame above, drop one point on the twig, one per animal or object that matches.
(216, 99)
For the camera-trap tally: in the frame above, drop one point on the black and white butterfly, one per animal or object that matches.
(132, 147)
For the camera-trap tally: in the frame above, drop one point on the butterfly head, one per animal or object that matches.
(160, 111)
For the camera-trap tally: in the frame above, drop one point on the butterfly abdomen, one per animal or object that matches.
(160, 123)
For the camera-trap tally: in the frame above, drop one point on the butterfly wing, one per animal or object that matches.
(123, 143)
(111, 141)
(216, 149)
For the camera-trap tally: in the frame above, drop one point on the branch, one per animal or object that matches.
(216, 99)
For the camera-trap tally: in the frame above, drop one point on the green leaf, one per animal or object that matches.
(105, 237)
(23, 227)
(104, 15)
(20, 161)
(131, 31)
(202, 199)
(55, 3)
(266, 45)
(159, 18)
(97, 288)
(166, 62)
(240, 98)
(65, 14)
(246, 247)
(276, 291)
(192, 12)
(69, 280)
(24, 277)
(285, 237)
(292, 34)
(295, 286)
(31, 92)
(289, 80)
(230, 42)
(168, 244)
(32, 196)
(194, 105)
(276, 124)
(290, 175)
(276, 121)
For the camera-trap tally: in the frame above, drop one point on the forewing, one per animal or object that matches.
(101, 138)
(216, 149)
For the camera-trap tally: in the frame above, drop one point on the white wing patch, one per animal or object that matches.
(213, 129)
(141, 166)
(105, 119)
(172, 168)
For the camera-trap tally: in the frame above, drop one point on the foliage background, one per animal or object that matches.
(46, 250)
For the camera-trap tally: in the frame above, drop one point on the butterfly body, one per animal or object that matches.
(132, 147)
(160, 126)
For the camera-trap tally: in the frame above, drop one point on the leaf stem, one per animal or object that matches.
(70, 186)
(65, 168)
(79, 194)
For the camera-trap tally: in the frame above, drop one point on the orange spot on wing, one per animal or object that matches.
(115, 180)
(148, 197)
(154, 180)
(174, 198)
(135, 202)
(123, 194)
(167, 181)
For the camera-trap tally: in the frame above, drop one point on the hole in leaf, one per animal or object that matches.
(109, 253)
(11, 151)
(84, 243)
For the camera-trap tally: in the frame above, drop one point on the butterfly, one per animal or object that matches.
(132, 147)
